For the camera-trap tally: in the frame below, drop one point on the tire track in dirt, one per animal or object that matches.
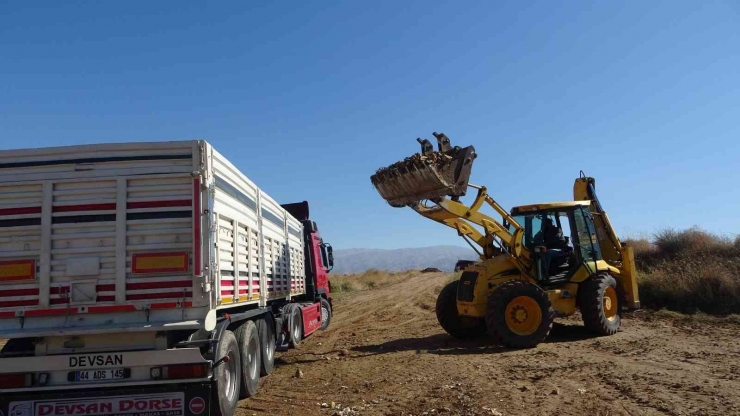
(399, 362)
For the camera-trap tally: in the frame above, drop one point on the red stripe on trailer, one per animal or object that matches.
(159, 285)
(160, 204)
(51, 312)
(196, 227)
(15, 303)
(20, 211)
(58, 290)
(105, 288)
(166, 295)
(19, 292)
(91, 309)
(58, 301)
(103, 207)
(227, 292)
(84, 207)
(105, 298)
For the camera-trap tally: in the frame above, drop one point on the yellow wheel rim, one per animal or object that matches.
(523, 315)
(610, 303)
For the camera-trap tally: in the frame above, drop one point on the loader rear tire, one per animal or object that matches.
(451, 321)
(600, 304)
(519, 314)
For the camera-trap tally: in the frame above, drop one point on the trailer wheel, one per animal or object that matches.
(266, 330)
(251, 359)
(325, 314)
(226, 376)
(295, 325)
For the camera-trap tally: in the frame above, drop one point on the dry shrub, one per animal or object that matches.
(690, 287)
(690, 271)
(694, 240)
(642, 247)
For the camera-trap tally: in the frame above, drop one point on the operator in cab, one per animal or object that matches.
(551, 236)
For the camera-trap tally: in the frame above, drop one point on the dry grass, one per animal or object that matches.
(689, 271)
(370, 279)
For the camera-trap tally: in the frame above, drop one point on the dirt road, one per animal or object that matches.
(386, 355)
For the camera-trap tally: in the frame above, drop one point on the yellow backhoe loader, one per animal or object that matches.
(539, 262)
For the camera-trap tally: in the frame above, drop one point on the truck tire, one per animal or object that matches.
(295, 325)
(251, 359)
(600, 304)
(226, 374)
(449, 319)
(266, 331)
(325, 314)
(519, 314)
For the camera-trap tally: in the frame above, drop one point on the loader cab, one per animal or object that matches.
(561, 236)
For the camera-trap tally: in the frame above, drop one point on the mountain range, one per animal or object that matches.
(356, 260)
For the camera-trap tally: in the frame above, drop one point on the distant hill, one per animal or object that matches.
(354, 260)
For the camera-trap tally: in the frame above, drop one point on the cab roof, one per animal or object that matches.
(547, 206)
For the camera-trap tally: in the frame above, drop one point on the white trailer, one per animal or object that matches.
(147, 278)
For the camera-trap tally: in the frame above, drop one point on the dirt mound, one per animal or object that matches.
(386, 355)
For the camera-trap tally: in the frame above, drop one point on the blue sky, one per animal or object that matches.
(309, 98)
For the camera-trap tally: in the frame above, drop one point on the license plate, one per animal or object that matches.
(99, 375)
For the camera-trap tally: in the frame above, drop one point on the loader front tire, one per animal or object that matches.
(451, 321)
(600, 305)
(519, 314)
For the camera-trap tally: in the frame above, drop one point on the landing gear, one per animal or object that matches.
(600, 304)
(451, 321)
(519, 314)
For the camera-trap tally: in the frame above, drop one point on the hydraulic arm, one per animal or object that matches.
(495, 238)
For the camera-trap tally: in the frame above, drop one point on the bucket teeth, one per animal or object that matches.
(426, 176)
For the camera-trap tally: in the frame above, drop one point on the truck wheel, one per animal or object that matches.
(295, 325)
(266, 330)
(519, 314)
(325, 314)
(600, 304)
(251, 358)
(451, 322)
(226, 376)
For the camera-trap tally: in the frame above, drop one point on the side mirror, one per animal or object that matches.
(330, 256)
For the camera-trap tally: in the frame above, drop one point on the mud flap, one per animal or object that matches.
(172, 400)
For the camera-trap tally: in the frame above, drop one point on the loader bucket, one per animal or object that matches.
(426, 176)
